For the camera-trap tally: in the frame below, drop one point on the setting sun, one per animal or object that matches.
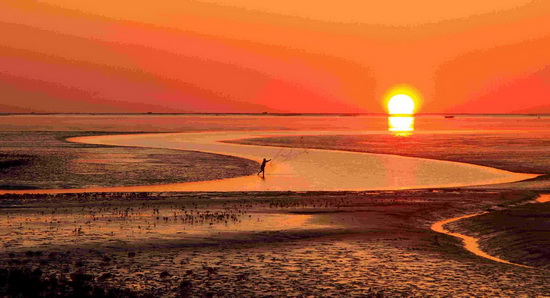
(401, 104)
(402, 99)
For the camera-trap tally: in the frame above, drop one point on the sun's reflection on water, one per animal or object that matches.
(402, 126)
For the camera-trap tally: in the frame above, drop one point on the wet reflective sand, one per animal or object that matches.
(296, 169)
(105, 224)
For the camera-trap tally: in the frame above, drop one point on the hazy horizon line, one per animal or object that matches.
(269, 114)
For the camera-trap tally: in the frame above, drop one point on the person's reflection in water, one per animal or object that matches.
(262, 167)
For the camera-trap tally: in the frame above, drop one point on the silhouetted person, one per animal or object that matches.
(262, 167)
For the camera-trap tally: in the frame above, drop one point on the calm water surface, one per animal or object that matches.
(189, 123)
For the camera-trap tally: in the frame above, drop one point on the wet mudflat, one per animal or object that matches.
(45, 160)
(225, 244)
(520, 232)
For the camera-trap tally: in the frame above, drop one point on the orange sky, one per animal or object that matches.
(279, 56)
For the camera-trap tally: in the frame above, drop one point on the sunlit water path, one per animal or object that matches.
(296, 169)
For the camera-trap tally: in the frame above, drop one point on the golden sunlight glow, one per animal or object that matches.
(401, 104)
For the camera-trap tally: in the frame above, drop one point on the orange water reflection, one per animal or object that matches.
(401, 125)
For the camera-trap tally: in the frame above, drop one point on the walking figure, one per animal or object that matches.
(262, 167)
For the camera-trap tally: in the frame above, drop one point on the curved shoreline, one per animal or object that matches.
(470, 243)
(320, 170)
